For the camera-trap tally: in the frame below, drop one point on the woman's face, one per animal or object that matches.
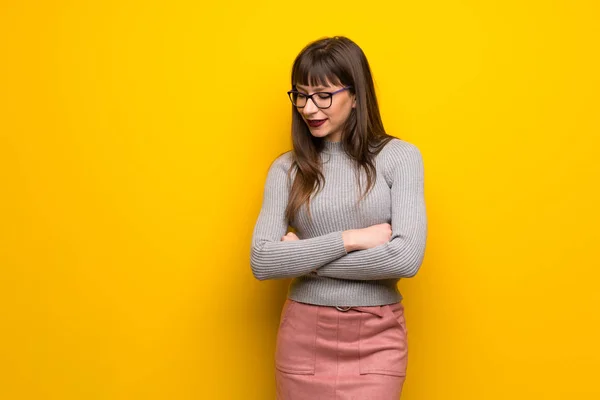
(327, 123)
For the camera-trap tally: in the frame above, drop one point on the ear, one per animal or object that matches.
(354, 101)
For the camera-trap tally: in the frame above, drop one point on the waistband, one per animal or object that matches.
(375, 310)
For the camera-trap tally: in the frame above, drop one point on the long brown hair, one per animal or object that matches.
(336, 61)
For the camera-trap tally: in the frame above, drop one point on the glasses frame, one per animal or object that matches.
(309, 97)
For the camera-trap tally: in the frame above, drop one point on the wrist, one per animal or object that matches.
(350, 240)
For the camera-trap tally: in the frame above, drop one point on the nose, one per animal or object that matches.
(310, 107)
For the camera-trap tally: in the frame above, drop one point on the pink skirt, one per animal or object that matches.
(330, 353)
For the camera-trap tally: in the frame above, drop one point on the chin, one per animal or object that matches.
(319, 134)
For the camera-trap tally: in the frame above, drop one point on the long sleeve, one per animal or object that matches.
(402, 256)
(271, 258)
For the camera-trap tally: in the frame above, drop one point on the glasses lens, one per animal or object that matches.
(299, 100)
(322, 100)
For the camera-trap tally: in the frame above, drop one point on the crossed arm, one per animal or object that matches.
(403, 255)
(273, 258)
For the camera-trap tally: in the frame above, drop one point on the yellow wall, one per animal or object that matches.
(134, 142)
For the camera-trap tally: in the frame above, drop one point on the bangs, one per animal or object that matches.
(319, 69)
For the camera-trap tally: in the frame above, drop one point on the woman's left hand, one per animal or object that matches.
(289, 236)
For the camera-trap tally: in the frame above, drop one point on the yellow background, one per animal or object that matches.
(135, 137)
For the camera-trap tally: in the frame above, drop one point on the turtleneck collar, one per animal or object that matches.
(332, 147)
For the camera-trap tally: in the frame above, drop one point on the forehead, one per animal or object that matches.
(316, 87)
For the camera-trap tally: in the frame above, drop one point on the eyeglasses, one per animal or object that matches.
(320, 99)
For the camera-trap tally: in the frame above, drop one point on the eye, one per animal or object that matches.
(301, 95)
(323, 95)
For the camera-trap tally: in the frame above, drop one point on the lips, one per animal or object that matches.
(314, 123)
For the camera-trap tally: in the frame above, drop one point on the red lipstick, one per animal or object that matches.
(314, 123)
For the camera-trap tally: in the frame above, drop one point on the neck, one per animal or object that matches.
(332, 147)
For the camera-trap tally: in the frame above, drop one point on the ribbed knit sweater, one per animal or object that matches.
(323, 272)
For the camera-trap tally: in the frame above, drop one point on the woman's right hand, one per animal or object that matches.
(366, 238)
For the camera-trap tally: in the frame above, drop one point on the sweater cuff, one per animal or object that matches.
(337, 243)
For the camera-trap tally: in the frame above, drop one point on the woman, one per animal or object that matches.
(354, 195)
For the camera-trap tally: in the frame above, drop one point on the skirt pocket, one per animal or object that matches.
(383, 346)
(295, 350)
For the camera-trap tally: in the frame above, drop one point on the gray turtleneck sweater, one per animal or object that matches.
(323, 272)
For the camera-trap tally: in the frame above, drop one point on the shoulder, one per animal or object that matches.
(400, 154)
(282, 161)
(399, 148)
(280, 167)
